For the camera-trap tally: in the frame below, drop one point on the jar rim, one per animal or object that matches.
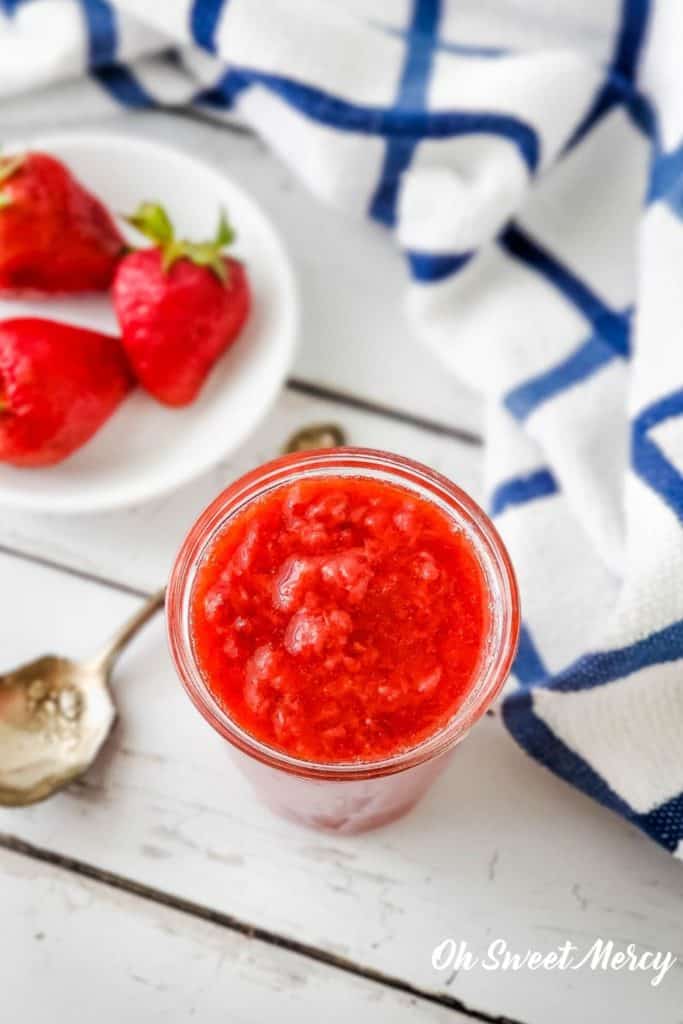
(349, 461)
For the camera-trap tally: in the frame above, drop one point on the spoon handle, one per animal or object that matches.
(106, 659)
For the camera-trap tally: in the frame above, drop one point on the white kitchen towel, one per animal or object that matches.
(528, 159)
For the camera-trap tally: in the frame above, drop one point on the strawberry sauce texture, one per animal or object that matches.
(340, 619)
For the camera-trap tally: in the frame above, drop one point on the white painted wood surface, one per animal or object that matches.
(499, 849)
(75, 950)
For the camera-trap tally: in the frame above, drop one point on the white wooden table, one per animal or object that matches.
(156, 888)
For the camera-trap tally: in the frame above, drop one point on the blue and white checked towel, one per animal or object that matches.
(528, 158)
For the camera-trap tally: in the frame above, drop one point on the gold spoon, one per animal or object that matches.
(55, 713)
(318, 435)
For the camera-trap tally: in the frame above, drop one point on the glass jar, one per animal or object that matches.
(348, 797)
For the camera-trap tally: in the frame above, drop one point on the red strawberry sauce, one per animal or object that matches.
(340, 619)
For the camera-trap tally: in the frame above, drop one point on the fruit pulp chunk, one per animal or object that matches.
(340, 619)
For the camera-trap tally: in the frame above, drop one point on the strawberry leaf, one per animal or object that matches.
(225, 234)
(152, 221)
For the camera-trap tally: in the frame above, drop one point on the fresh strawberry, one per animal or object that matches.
(180, 305)
(55, 237)
(58, 385)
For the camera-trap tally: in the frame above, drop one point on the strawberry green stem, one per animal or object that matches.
(151, 220)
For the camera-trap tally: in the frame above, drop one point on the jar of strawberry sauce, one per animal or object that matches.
(342, 618)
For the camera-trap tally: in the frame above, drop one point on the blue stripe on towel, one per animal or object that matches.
(610, 335)
(664, 824)
(330, 110)
(619, 85)
(521, 489)
(609, 324)
(538, 740)
(102, 39)
(630, 38)
(666, 180)
(471, 50)
(102, 32)
(528, 666)
(123, 86)
(649, 461)
(432, 267)
(664, 645)
(580, 364)
(459, 49)
(204, 18)
(412, 95)
(224, 93)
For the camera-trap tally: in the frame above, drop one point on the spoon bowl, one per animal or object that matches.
(55, 714)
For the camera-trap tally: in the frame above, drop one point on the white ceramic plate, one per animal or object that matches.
(146, 449)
